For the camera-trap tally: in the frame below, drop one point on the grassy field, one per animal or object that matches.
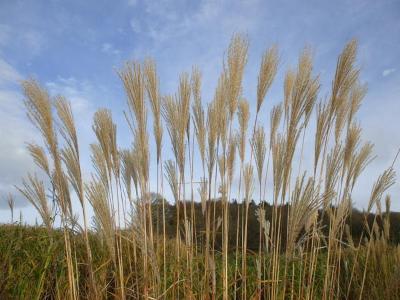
(137, 247)
(33, 267)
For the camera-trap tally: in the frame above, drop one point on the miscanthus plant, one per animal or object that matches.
(127, 253)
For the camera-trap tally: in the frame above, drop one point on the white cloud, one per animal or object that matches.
(31, 40)
(387, 72)
(34, 40)
(7, 73)
(132, 2)
(378, 117)
(14, 132)
(135, 25)
(109, 49)
(74, 90)
(163, 21)
(84, 98)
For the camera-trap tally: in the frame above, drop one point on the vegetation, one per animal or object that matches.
(306, 242)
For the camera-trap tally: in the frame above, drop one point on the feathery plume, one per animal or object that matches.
(332, 172)
(259, 149)
(184, 93)
(321, 131)
(133, 80)
(70, 153)
(384, 182)
(67, 130)
(236, 61)
(275, 119)
(346, 75)
(222, 108)
(278, 161)
(243, 116)
(38, 105)
(97, 196)
(203, 191)
(153, 93)
(39, 157)
(128, 170)
(172, 178)
(248, 181)
(34, 191)
(361, 159)
(198, 112)
(305, 202)
(357, 94)
(212, 129)
(268, 69)
(352, 142)
(106, 133)
(290, 78)
(230, 159)
(99, 164)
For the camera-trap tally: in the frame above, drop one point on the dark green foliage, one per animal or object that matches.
(355, 221)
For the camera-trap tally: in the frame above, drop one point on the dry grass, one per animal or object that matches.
(297, 257)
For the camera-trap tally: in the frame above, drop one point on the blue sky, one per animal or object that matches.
(75, 47)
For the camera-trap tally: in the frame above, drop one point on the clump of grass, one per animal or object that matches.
(305, 248)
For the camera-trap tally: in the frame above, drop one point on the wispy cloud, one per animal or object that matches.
(132, 2)
(166, 20)
(16, 130)
(109, 49)
(34, 40)
(28, 38)
(135, 25)
(387, 72)
(14, 133)
(76, 91)
(8, 75)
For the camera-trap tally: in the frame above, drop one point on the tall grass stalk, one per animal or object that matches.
(143, 246)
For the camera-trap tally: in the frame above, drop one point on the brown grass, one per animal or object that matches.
(299, 259)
